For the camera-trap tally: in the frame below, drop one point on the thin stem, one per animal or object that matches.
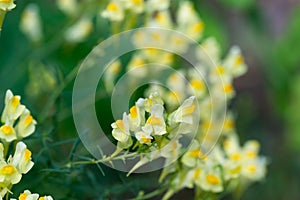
(103, 160)
(153, 193)
(2, 16)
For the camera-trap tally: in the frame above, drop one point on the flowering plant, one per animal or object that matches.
(185, 121)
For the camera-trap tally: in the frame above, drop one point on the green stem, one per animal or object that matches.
(152, 194)
(2, 16)
(6, 148)
(103, 160)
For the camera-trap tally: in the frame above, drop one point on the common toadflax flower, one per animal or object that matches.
(17, 123)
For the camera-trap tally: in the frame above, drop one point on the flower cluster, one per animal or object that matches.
(17, 123)
(116, 9)
(150, 125)
(215, 162)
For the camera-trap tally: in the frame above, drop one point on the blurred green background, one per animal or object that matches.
(268, 100)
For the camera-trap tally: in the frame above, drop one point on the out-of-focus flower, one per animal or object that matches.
(137, 6)
(114, 11)
(161, 20)
(31, 24)
(194, 154)
(209, 51)
(111, 73)
(157, 5)
(211, 180)
(79, 31)
(7, 5)
(188, 21)
(234, 62)
(184, 114)
(70, 7)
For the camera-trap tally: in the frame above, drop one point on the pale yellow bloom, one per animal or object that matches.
(111, 74)
(13, 108)
(114, 11)
(254, 170)
(136, 117)
(31, 24)
(45, 198)
(235, 62)
(162, 20)
(157, 5)
(7, 133)
(9, 173)
(22, 158)
(79, 31)
(209, 52)
(136, 6)
(26, 124)
(192, 157)
(121, 132)
(156, 120)
(27, 195)
(144, 136)
(188, 21)
(186, 112)
(70, 7)
(7, 5)
(210, 180)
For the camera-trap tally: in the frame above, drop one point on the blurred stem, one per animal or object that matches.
(152, 194)
(103, 160)
(2, 16)
(56, 94)
(6, 148)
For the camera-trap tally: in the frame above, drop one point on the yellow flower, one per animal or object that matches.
(22, 158)
(144, 137)
(136, 117)
(186, 112)
(156, 120)
(26, 124)
(136, 6)
(79, 31)
(9, 173)
(211, 180)
(13, 108)
(111, 74)
(121, 132)
(114, 11)
(7, 5)
(234, 62)
(157, 5)
(69, 7)
(31, 24)
(192, 157)
(46, 198)
(27, 195)
(7, 133)
(188, 21)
